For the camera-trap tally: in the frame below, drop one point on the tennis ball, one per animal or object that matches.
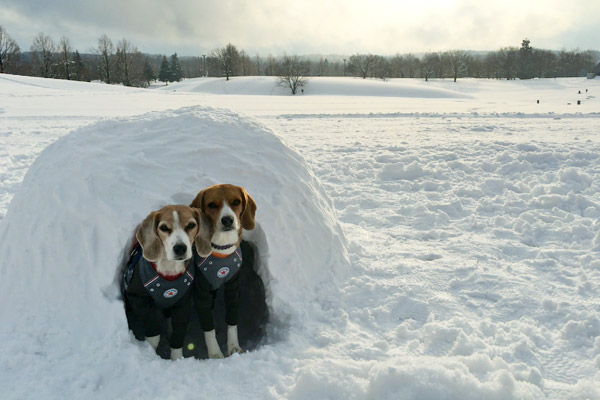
(191, 346)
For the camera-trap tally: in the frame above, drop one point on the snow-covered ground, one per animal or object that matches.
(421, 240)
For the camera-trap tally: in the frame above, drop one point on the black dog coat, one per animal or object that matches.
(149, 299)
(212, 273)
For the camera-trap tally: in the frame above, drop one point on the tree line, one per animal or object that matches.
(123, 63)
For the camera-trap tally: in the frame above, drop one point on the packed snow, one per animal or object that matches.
(417, 240)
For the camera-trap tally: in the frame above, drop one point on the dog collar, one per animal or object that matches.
(227, 246)
(170, 277)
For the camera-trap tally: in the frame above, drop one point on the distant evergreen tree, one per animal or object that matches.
(164, 74)
(525, 60)
(149, 74)
(176, 71)
(78, 67)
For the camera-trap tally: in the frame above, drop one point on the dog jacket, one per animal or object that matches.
(165, 293)
(218, 270)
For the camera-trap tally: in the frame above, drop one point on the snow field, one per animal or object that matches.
(494, 238)
(471, 224)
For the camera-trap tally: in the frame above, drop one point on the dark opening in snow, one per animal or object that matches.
(252, 320)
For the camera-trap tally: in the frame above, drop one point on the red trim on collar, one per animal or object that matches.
(168, 277)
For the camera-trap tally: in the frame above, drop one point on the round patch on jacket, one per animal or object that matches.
(170, 293)
(223, 272)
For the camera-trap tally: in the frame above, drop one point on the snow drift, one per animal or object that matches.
(66, 229)
(322, 86)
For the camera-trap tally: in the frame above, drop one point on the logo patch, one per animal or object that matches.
(170, 293)
(223, 272)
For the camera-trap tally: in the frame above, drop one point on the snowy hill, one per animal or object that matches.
(268, 86)
(439, 244)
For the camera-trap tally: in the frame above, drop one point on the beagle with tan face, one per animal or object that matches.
(167, 235)
(229, 209)
(160, 282)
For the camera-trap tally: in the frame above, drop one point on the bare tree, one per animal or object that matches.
(396, 64)
(10, 53)
(43, 49)
(65, 55)
(544, 63)
(246, 64)
(106, 51)
(429, 65)
(476, 66)
(323, 67)
(457, 63)
(228, 58)
(129, 65)
(507, 58)
(257, 64)
(292, 72)
(411, 65)
(381, 67)
(363, 64)
(270, 68)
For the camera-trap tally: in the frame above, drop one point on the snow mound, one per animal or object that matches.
(325, 86)
(66, 229)
(31, 85)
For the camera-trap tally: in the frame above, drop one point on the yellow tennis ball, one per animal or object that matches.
(191, 346)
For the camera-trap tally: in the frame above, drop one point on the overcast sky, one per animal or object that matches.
(194, 27)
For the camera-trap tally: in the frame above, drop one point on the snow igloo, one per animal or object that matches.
(69, 226)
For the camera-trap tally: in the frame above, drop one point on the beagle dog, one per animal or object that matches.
(159, 275)
(229, 209)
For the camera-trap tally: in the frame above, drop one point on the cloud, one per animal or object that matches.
(310, 26)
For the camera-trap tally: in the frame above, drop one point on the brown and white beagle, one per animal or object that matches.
(229, 209)
(159, 283)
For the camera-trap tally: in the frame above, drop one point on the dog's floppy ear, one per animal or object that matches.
(247, 216)
(202, 239)
(198, 202)
(148, 239)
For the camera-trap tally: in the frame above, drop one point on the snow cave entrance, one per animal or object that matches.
(252, 320)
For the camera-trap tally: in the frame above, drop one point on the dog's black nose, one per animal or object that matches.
(227, 221)
(179, 249)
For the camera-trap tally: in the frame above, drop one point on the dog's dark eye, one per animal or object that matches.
(164, 228)
(212, 205)
(236, 202)
(191, 225)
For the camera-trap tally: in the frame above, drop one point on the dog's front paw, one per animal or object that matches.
(233, 345)
(212, 346)
(215, 354)
(235, 350)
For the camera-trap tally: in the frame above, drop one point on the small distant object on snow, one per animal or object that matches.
(538, 102)
(578, 102)
(579, 92)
